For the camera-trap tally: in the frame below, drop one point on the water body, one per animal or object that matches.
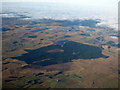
(39, 74)
(67, 36)
(31, 26)
(87, 35)
(32, 36)
(70, 50)
(91, 30)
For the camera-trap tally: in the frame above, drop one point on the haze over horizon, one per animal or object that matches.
(81, 2)
(107, 10)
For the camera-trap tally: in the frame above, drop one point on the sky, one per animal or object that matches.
(84, 2)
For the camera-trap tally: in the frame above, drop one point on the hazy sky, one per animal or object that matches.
(84, 2)
(107, 9)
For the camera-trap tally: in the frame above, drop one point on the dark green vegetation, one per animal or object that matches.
(55, 54)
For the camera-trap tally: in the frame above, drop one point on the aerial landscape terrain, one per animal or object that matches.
(58, 53)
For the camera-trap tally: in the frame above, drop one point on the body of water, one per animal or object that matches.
(91, 30)
(87, 35)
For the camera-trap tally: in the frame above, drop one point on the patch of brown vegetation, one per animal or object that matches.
(55, 50)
